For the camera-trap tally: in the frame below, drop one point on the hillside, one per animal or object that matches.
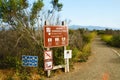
(91, 27)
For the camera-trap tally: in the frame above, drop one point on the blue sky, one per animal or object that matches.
(104, 13)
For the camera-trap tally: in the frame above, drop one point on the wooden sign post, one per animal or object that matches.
(66, 59)
(67, 55)
(48, 71)
(56, 36)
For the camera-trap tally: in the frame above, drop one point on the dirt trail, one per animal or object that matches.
(104, 64)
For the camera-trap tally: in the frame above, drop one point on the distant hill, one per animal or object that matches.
(90, 27)
(79, 26)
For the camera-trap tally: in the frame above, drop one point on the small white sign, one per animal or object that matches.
(47, 55)
(48, 65)
(67, 54)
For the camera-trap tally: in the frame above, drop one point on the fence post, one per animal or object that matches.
(48, 72)
(66, 60)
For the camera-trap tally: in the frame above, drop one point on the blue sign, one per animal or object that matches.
(31, 61)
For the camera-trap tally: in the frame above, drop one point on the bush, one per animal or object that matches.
(10, 55)
(115, 41)
(85, 52)
(58, 55)
(92, 35)
(107, 38)
(87, 38)
(80, 45)
(10, 62)
(75, 54)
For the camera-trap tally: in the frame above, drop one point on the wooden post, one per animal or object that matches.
(48, 72)
(66, 60)
(67, 64)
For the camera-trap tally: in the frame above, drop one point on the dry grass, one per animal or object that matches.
(12, 75)
(5, 74)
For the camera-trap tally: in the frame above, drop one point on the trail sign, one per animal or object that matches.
(47, 55)
(30, 61)
(67, 54)
(48, 65)
(55, 36)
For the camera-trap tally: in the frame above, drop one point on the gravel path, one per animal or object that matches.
(104, 64)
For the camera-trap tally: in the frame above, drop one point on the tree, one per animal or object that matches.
(22, 17)
(19, 15)
(51, 13)
(15, 12)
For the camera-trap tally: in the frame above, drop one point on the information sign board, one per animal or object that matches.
(55, 36)
(30, 61)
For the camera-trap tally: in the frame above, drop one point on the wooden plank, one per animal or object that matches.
(58, 67)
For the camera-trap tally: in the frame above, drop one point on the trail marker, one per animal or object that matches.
(67, 54)
(48, 55)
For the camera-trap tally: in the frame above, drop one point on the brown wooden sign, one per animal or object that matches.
(55, 36)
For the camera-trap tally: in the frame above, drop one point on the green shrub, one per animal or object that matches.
(85, 52)
(75, 54)
(10, 54)
(87, 38)
(93, 35)
(10, 62)
(100, 32)
(107, 38)
(58, 55)
(87, 48)
(115, 41)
